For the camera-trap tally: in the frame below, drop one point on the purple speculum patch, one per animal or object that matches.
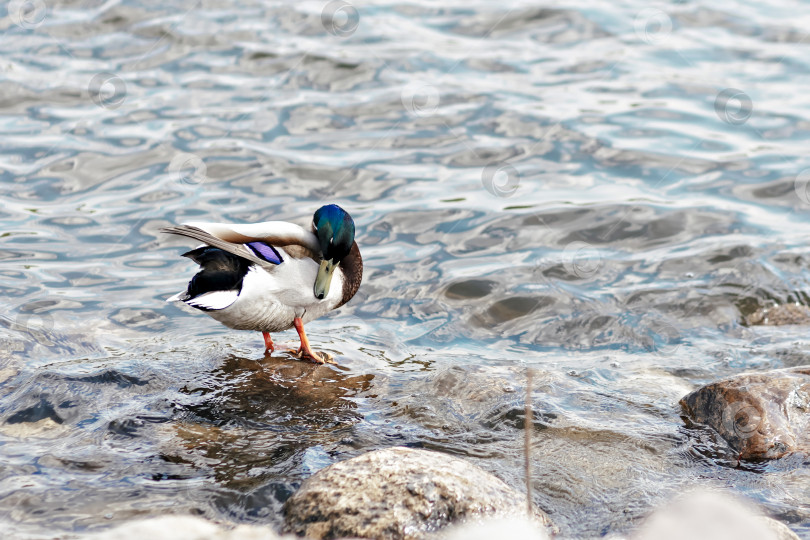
(265, 252)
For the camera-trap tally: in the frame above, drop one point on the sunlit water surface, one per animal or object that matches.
(600, 192)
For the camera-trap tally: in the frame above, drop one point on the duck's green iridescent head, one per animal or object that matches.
(334, 228)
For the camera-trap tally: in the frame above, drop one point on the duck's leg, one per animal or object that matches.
(268, 343)
(305, 348)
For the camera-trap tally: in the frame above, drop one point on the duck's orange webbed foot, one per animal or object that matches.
(305, 351)
(268, 343)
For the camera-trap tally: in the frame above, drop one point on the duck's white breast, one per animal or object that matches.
(271, 299)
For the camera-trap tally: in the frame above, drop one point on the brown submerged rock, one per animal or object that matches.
(398, 493)
(760, 415)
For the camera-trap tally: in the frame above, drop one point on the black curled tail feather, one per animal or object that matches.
(219, 271)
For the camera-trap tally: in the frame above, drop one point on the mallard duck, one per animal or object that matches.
(275, 275)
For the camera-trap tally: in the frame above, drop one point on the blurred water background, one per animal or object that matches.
(599, 191)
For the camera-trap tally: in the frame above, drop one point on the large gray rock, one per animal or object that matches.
(711, 515)
(760, 415)
(398, 493)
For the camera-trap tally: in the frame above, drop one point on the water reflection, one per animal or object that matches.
(278, 393)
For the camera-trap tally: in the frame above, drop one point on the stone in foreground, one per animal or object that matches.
(760, 415)
(398, 494)
(182, 528)
(711, 515)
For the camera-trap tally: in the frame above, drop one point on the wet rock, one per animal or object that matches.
(183, 528)
(279, 391)
(398, 493)
(706, 515)
(45, 428)
(760, 415)
(779, 315)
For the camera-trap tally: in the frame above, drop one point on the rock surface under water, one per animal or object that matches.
(398, 493)
(760, 415)
(780, 315)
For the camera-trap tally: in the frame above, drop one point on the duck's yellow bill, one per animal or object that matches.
(324, 279)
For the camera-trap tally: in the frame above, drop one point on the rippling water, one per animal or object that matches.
(600, 192)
